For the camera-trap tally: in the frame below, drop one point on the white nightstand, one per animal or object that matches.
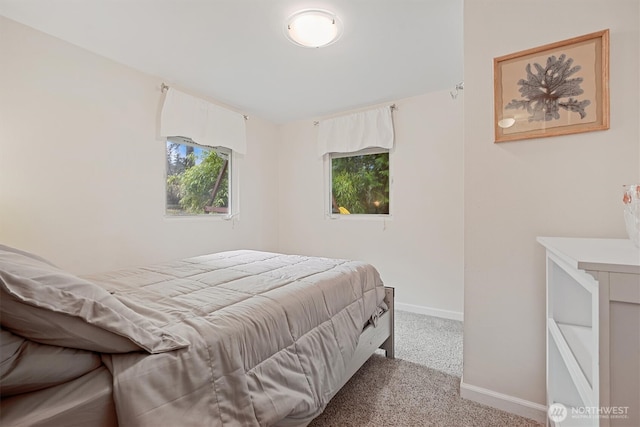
(593, 331)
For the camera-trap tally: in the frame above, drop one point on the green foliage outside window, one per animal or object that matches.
(360, 184)
(191, 177)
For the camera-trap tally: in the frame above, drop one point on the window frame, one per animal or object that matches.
(232, 209)
(328, 205)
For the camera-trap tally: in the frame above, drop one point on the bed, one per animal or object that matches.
(237, 338)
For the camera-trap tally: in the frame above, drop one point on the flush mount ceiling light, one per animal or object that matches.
(313, 28)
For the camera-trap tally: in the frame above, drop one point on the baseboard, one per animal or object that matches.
(514, 405)
(419, 309)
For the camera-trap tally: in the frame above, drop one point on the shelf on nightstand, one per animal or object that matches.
(580, 339)
(573, 344)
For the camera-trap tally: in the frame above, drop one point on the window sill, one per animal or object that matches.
(198, 217)
(361, 217)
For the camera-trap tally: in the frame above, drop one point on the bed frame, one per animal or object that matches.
(375, 337)
(380, 336)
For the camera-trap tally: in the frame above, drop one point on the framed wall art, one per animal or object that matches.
(556, 89)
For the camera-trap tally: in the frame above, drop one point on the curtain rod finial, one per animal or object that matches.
(459, 87)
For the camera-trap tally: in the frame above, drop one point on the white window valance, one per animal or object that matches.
(355, 132)
(203, 122)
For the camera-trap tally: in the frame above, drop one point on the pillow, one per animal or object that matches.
(45, 304)
(28, 366)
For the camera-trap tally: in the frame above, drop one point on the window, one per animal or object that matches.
(198, 179)
(360, 182)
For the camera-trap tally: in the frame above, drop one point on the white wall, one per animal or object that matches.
(560, 186)
(82, 178)
(419, 250)
(82, 168)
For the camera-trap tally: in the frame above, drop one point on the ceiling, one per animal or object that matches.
(235, 51)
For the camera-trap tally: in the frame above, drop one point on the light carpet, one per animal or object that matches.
(421, 387)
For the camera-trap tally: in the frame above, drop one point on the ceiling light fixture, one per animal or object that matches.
(313, 28)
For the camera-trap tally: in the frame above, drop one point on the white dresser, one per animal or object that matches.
(593, 332)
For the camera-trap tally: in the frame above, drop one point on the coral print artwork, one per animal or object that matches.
(555, 89)
(550, 88)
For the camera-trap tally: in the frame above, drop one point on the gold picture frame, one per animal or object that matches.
(556, 89)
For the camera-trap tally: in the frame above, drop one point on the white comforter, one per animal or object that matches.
(270, 337)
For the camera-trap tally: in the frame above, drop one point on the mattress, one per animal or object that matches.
(84, 401)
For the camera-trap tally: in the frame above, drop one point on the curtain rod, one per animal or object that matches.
(392, 106)
(164, 87)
